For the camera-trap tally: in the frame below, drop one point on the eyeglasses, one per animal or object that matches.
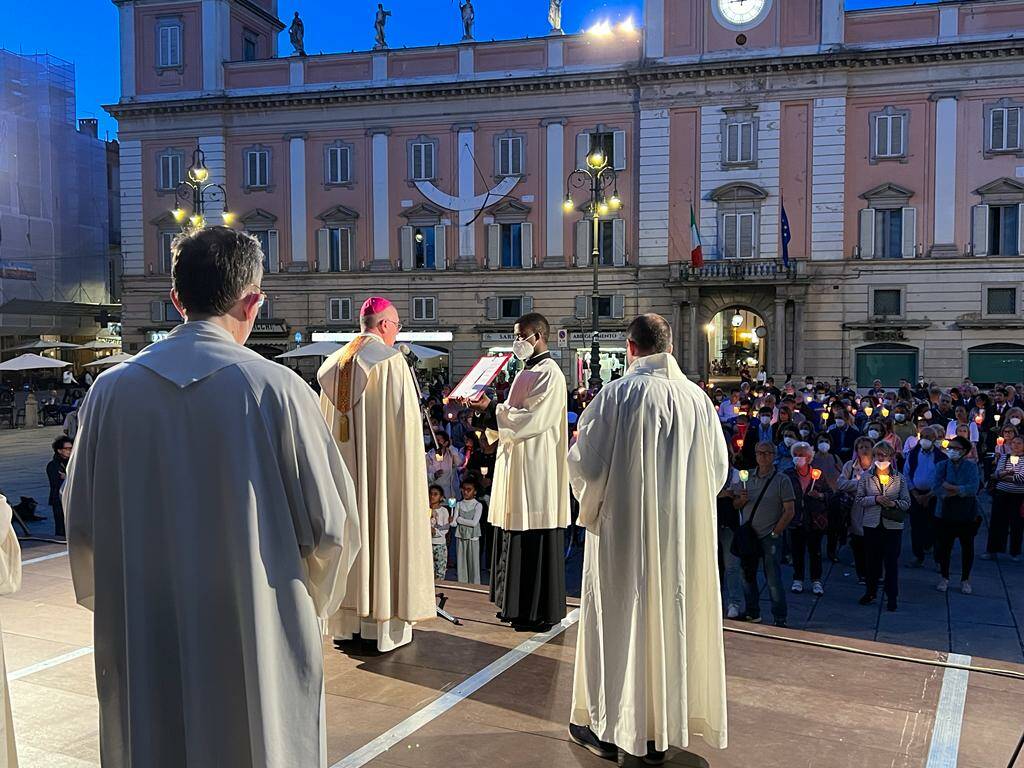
(262, 297)
(398, 325)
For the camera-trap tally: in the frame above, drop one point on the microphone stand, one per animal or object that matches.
(410, 358)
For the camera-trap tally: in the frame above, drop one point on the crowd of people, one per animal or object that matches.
(816, 468)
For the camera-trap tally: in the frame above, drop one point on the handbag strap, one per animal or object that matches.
(757, 503)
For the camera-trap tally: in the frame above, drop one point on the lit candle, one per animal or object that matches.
(1015, 460)
(945, 443)
(997, 417)
(824, 416)
(815, 474)
(744, 476)
(868, 410)
(885, 413)
(1000, 441)
(739, 443)
(438, 456)
(483, 471)
(884, 480)
(978, 419)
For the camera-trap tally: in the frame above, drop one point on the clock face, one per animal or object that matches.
(741, 13)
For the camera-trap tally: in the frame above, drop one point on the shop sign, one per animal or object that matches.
(586, 338)
(889, 335)
(506, 338)
(274, 327)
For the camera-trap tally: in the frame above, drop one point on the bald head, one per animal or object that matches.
(649, 334)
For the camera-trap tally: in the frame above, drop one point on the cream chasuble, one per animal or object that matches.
(10, 581)
(647, 468)
(368, 398)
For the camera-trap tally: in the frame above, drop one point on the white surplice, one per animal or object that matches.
(211, 521)
(391, 585)
(10, 581)
(647, 468)
(531, 482)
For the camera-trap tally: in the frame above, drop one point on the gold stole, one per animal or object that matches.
(346, 371)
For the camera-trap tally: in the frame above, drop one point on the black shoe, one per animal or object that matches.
(891, 605)
(587, 739)
(654, 757)
(781, 623)
(867, 600)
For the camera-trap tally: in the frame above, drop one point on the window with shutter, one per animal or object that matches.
(422, 161)
(169, 43)
(423, 253)
(889, 233)
(424, 308)
(166, 255)
(887, 302)
(338, 165)
(739, 137)
(1001, 301)
(171, 314)
(339, 247)
(1004, 129)
(738, 235)
(170, 170)
(511, 246)
(257, 168)
(1004, 230)
(340, 310)
(888, 134)
(510, 156)
(510, 307)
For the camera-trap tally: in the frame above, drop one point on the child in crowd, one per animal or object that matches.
(440, 523)
(467, 515)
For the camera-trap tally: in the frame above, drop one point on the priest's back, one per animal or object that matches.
(211, 520)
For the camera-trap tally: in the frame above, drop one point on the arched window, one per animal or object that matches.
(991, 363)
(888, 362)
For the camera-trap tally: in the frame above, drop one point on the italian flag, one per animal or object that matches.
(696, 252)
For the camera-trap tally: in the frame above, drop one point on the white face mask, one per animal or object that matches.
(926, 444)
(805, 432)
(766, 420)
(900, 417)
(789, 441)
(873, 434)
(1015, 421)
(824, 447)
(800, 461)
(954, 455)
(926, 415)
(523, 349)
(882, 465)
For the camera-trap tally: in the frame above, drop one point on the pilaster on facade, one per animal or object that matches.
(132, 246)
(216, 15)
(828, 178)
(554, 179)
(126, 22)
(381, 233)
(465, 147)
(215, 152)
(654, 29)
(297, 197)
(945, 174)
(653, 187)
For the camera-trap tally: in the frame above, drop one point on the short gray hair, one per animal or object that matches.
(801, 447)
(651, 334)
(212, 267)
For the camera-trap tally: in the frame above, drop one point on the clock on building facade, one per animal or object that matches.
(740, 14)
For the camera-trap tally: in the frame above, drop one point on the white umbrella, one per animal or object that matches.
(47, 345)
(32, 363)
(106, 362)
(426, 353)
(317, 349)
(101, 344)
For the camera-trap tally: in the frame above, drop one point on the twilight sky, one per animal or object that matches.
(85, 31)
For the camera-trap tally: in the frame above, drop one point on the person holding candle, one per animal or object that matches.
(963, 418)
(922, 461)
(810, 521)
(443, 464)
(883, 497)
(1007, 497)
(830, 467)
(846, 487)
(956, 486)
(728, 524)
(843, 433)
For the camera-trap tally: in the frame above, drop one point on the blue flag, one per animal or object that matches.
(786, 237)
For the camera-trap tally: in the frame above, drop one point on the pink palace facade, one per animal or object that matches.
(893, 137)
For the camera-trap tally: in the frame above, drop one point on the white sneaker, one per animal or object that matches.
(965, 587)
(733, 612)
(943, 585)
(1015, 558)
(798, 587)
(817, 589)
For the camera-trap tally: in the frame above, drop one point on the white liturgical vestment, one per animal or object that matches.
(10, 581)
(369, 400)
(211, 521)
(647, 468)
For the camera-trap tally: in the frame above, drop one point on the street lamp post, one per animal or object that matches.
(599, 177)
(199, 191)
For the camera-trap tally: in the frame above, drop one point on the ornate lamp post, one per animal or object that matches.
(197, 190)
(597, 177)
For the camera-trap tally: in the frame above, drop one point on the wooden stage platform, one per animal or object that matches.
(484, 695)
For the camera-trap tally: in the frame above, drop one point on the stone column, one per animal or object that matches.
(216, 43)
(554, 189)
(944, 243)
(654, 187)
(299, 216)
(695, 341)
(799, 357)
(465, 148)
(381, 257)
(778, 367)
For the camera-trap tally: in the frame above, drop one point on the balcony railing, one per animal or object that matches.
(749, 270)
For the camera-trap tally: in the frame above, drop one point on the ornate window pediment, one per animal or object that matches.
(888, 195)
(165, 221)
(1004, 191)
(258, 218)
(338, 214)
(509, 212)
(739, 192)
(423, 214)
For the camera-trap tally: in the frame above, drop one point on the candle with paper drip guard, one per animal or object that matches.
(884, 480)
(979, 419)
(744, 476)
(1000, 441)
(815, 475)
(868, 410)
(1015, 460)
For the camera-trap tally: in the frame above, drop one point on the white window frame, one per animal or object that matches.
(171, 314)
(169, 34)
(338, 157)
(166, 162)
(739, 216)
(164, 253)
(892, 125)
(420, 307)
(343, 235)
(339, 309)
(1010, 144)
(257, 153)
(507, 156)
(501, 307)
(733, 150)
(985, 288)
(419, 170)
(903, 301)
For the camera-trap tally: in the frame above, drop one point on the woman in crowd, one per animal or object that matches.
(830, 467)
(811, 519)
(57, 473)
(1007, 500)
(956, 514)
(963, 419)
(849, 481)
(728, 524)
(443, 465)
(884, 499)
(964, 431)
(890, 436)
(903, 426)
(789, 436)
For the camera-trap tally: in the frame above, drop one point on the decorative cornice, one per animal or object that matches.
(626, 77)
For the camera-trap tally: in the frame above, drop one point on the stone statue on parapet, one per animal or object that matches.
(555, 16)
(468, 17)
(378, 26)
(295, 33)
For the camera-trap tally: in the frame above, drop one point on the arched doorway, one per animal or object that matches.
(736, 341)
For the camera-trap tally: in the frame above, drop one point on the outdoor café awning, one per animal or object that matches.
(31, 362)
(61, 308)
